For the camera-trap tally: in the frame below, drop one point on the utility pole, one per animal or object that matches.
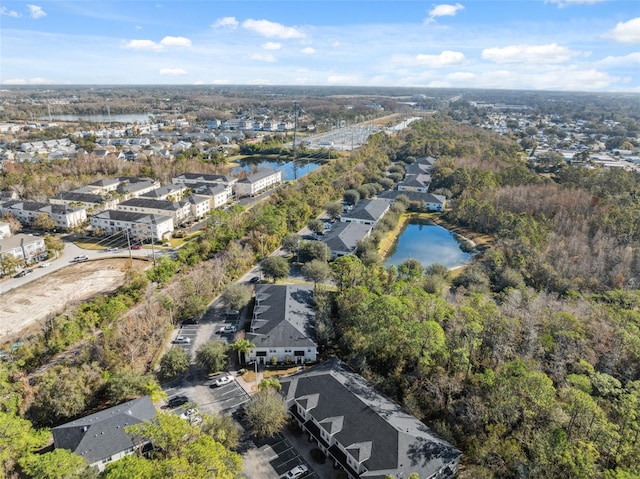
(295, 129)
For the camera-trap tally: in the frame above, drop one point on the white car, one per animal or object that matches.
(112, 250)
(45, 265)
(297, 471)
(222, 380)
(228, 329)
(182, 340)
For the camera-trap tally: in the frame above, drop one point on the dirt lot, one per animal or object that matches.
(22, 309)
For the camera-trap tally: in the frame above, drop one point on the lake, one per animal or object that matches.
(429, 244)
(303, 167)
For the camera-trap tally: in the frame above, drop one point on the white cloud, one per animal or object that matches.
(272, 46)
(544, 54)
(271, 29)
(626, 60)
(29, 81)
(36, 12)
(150, 45)
(181, 42)
(308, 51)
(228, 23)
(444, 59)
(263, 57)
(566, 3)
(173, 71)
(461, 76)
(8, 13)
(443, 10)
(626, 32)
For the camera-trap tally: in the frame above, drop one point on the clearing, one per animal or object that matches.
(23, 309)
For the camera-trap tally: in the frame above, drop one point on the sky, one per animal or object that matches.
(559, 45)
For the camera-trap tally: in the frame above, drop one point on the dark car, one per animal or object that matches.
(191, 321)
(177, 401)
(255, 279)
(23, 273)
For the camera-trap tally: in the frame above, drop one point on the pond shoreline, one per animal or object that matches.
(476, 241)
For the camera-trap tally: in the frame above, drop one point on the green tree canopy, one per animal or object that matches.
(275, 267)
(212, 355)
(266, 412)
(236, 296)
(174, 362)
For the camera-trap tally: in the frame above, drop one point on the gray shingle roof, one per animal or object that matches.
(283, 316)
(344, 237)
(101, 435)
(368, 210)
(373, 428)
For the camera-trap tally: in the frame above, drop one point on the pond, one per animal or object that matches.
(429, 244)
(288, 171)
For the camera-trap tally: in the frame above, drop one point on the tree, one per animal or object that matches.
(14, 225)
(57, 464)
(351, 197)
(291, 242)
(311, 250)
(173, 363)
(42, 221)
(242, 347)
(9, 264)
(222, 428)
(53, 243)
(266, 412)
(317, 271)
(316, 225)
(236, 296)
(17, 439)
(269, 383)
(125, 384)
(212, 355)
(334, 210)
(275, 267)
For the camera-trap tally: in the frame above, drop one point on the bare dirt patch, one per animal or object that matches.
(24, 308)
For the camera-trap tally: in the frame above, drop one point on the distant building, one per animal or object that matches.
(65, 216)
(363, 432)
(197, 178)
(101, 438)
(258, 182)
(180, 211)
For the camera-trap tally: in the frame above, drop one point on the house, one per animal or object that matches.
(65, 216)
(366, 212)
(199, 206)
(361, 431)
(180, 211)
(90, 201)
(258, 182)
(25, 247)
(142, 226)
(171, 192)
(343, 238)
(200, 178)
(429, 201)
(101, 438)
(415, 182)
(219, 194)
(283, 324)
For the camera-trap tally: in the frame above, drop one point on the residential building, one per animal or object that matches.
(428, 201)
(366, 212)
(102, 438)
(180, 211)
(171, 192)
(143, 226)
(25, 247)
(200, 178)
(65, 216)
(219, 194)
(283, 324)
(343, 238)
(419, 183)
(92, 202)
(199, 206)
(361, 431)
(258, 182)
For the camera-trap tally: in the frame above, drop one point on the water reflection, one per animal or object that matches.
(289, 170)
(429, 244)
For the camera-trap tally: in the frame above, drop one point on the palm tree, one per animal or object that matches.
(242, 347)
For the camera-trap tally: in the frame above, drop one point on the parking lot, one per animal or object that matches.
(229, 397)
(283, 456)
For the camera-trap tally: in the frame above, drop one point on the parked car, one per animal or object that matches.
(112, 250)
(232, 312)
(191, 321)
(297, 471)
(177, 401)
(81, 258)
(182, 340)
(228, 329)
(45, 265)
(222, 380)
(23, 273)
(136, 246)
(254, 280)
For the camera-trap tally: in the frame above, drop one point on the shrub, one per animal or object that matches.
(318, 456)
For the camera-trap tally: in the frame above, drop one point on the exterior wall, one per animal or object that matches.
(179, 215)
(138, 230)
(29, 251)
(200, 209)
(251, 188)
(435, 206)
(419, 189)
(264, 355)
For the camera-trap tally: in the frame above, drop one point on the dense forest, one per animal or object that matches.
(528, 360)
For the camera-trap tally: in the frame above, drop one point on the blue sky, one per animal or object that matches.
(572, 45)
